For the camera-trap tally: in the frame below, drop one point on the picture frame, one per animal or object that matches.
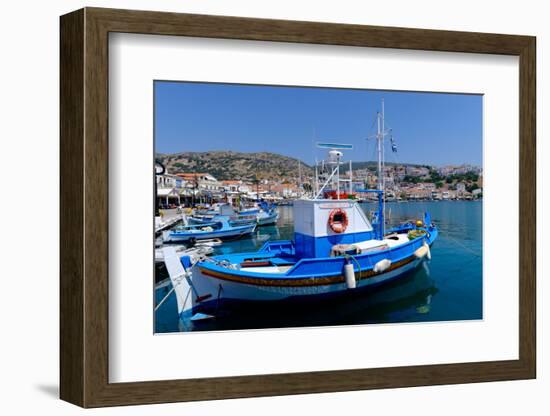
(84, 229)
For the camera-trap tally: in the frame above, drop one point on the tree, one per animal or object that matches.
(411, 179)
(439, 184)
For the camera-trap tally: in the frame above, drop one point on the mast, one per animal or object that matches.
(381, 180)
(337, 178)
(350, 178)
(316, 177)
(383, 155)
(300, 186)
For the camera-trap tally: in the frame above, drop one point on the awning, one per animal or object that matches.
(164, 192)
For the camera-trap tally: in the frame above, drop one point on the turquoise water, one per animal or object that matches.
(448, 288)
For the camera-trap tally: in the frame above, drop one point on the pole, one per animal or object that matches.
(379, 150)
(381, 184)
(383, 155)
(383, 210)
(338, 178)
(350, 178)
(316, 177)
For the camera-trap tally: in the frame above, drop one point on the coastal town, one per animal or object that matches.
(403, 182)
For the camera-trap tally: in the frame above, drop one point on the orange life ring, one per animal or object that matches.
(338, 220)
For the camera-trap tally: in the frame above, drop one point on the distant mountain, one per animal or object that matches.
(372, 165)
(224, 165)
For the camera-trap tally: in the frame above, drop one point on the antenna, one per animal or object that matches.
(334, 158)
(334, 146)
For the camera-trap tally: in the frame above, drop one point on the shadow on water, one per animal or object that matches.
(447, 288)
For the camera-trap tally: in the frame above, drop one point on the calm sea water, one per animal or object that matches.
(447, 288)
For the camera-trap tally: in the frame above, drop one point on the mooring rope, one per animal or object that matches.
(169, 293)
(180, 279)
(475, 253)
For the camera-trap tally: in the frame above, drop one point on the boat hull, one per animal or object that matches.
(171, 237)
(269, 219)
(223, 291)
(237, 295)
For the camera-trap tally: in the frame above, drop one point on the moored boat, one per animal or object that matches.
(220, 228)
(194, 252)
(262, 215)
(268, 217)
(336, 251)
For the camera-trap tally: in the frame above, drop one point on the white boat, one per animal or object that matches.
(220, 229)
(194, 252)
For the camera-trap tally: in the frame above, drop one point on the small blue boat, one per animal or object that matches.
(233, 220)
(336, 251)
(263, 215)
(268, 217)
(249, 211)
(220, 228)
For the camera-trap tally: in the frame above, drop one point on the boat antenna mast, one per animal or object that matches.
(335, 159)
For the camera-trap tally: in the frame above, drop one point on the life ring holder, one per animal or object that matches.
(338, 226)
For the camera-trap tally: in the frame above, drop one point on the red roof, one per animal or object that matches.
(190, 175)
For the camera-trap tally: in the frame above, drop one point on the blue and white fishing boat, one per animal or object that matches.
(268, 215)
(220, 228)
(249, 211)
(336, 251)
(224, 212)
(263, 215)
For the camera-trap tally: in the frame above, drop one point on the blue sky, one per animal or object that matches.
(429, 128)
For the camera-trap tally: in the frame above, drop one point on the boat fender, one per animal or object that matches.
(421, 252)
(429, 253)
(349, 273)
(382, 266)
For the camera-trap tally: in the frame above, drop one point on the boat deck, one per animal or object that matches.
(281, 260)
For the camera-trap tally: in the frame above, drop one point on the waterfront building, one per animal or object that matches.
(201, 181)
(169, 189)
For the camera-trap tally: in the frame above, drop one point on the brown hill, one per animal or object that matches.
(236, 165)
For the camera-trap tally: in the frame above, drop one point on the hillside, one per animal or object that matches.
(372, 165)
(225, 165)
(235, 165)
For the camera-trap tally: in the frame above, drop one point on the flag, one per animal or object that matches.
(393, 145)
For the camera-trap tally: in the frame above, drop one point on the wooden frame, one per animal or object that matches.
(84, 207)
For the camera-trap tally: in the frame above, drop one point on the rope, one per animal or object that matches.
(475, 253)
(356, 262)
(180, 279)
(169, 292)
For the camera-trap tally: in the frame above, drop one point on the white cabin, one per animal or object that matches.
(313, 234)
